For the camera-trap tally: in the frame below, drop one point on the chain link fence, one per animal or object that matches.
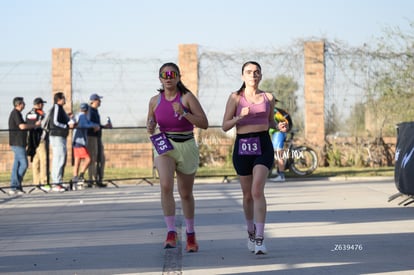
(127, 85)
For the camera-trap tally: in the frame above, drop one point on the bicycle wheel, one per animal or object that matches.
(304, 161)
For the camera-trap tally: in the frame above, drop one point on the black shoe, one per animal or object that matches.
(101, 185)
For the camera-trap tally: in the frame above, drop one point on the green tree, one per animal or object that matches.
(384, 73)
(332, 121)
(391, 90)
(355, 123)
(283, 88)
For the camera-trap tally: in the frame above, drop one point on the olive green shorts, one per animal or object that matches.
(185, 154)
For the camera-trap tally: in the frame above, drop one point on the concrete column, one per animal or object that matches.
(314, 93)
(188, 62)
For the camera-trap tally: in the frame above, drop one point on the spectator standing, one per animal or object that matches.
(176, 110)
(95, 144)
(36, 147)
(284, 123)
(18, 141)
(80, 142)
(250, 110)
(60, 123)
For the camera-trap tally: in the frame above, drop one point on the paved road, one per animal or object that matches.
(313, 227)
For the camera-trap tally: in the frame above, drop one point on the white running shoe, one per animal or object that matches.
(46, 187)
(260, 248)
(58, 188)
(251, 242)
(15, 192)
(279, 178)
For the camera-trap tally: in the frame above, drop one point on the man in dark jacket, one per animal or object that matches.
(95, 145)
(60, 123)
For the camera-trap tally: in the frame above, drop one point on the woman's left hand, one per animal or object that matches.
(178, 108)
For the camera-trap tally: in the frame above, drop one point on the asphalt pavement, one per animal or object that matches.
(318, 226)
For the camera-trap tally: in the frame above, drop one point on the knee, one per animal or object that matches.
(167, 188)
(248, 198)
(257, 194)
(187, 196)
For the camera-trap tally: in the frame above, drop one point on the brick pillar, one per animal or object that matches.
(188, 62)
(62, 75)
(314, 93)
(62, 82)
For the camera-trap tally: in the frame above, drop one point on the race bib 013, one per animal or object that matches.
(249, 146)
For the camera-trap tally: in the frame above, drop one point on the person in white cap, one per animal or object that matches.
(36, 147)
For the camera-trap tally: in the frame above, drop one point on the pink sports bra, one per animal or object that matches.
(258, 113)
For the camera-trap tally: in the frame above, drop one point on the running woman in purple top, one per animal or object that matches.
(176, 111)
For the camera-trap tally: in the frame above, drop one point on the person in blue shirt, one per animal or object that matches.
(278, 134)
(80, 142)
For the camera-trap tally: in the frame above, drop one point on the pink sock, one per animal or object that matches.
(259, 229)
(170, 222)
(250, 225)
(189, 225)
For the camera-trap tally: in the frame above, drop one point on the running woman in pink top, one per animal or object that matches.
(250, 110)
(176, 111)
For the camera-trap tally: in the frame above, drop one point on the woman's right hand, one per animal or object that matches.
(151, 126)
(244, 111)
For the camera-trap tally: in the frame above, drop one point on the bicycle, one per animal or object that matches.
(300, 159)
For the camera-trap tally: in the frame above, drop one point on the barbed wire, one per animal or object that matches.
(128, 83)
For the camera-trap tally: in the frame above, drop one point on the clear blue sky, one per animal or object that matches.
(134, 28)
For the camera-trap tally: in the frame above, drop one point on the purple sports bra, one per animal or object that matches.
(167, 119)
(258, 113)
